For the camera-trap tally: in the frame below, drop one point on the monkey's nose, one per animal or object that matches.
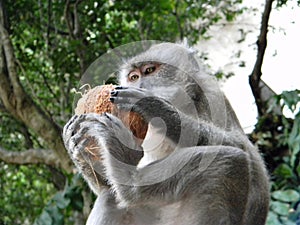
(145, 85)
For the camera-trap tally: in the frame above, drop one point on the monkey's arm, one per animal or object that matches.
(168, 179)
(106, 211)
(204, 133)
(185, 172)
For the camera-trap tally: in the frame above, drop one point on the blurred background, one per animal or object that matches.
(46, 45)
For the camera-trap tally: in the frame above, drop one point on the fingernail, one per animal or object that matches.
(114, 93)
(120, 87)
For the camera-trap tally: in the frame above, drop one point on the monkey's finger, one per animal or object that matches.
(91, 117)
(124, 100)
(120, 87)
(133, 92)
(75, 123)
(70, 128)
(69, 124)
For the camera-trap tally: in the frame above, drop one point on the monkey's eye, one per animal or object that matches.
(148, 69)
(133, 76)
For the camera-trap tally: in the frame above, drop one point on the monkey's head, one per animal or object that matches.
(170, 71)
(166, 62)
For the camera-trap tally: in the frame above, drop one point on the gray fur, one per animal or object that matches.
(204, 170)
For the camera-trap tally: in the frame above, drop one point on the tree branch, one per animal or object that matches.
(20, 105)
(2, 108)
(49, 15)
(255, 77)
(175, 13)
(67, 19)
(73, 24)
(31, 156)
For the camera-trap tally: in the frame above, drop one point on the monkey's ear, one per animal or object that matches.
(184, 43)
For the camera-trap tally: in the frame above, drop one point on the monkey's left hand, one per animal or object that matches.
(143, 102)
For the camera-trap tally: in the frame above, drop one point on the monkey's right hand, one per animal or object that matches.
(88, 136)
(84, 149)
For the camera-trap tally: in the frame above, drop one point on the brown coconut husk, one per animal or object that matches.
(96, 100)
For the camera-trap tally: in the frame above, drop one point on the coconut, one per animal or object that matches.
(96, 100)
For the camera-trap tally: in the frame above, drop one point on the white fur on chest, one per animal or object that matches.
(155, 145)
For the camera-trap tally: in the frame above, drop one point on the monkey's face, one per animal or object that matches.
(161, 79)
(151, 75)
(162, 65)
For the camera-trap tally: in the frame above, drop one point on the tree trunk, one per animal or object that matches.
(19, 103)
(255, 77)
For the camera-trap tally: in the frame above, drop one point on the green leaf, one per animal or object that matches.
(286, 196)
(44, 219)
(273, 219)
(76, 200)
(56, 215)
(284, 170)
(298, 169)
(60, 200)
(287, 221)
(291, 99)
(294, 140)
(280, 208)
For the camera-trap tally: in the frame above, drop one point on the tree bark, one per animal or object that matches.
(255, 77)
(20, 105)
(30, 156)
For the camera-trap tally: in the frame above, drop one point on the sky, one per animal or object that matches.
(281, 62)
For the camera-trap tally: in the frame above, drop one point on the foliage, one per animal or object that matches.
(57, 208)
(285, 197)
(23, 188)
(23, 192)
(280, 3)
(54, 41)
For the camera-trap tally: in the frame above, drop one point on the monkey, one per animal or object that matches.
(195, 166)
